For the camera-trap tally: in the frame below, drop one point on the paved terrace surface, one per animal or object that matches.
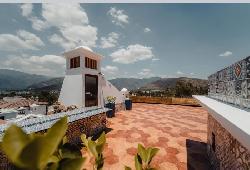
(178, 131)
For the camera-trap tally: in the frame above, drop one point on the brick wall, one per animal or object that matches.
(227, 152)
(90, 126)
(232, 84)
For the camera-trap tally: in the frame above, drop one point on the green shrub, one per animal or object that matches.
(51, 151)
(96, 148)
(40, 151)
(143, 158)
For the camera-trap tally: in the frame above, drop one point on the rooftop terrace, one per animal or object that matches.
(179, 131)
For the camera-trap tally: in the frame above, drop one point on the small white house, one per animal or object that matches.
(38, 109)
(23, 110)
(6, 114)
(84, 85)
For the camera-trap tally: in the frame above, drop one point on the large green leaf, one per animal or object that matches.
(138, 164)
(101, 139)
(72, 164)
(40, 149)
(37, 154)
(70, 151)
(92, 148)
(53, 159)
(14, 140)
(101, 143)
(153, 152)
(65, 140)
(57, 132)
(142, 152)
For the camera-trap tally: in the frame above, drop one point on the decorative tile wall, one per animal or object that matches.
(232, 84)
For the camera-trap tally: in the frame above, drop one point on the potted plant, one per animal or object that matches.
(111, 105)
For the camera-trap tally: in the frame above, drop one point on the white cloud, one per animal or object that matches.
(132, 53)
(22, 41)
(57, 39)
(110, 41)
(110, 69)
(118, 16)
(70, 20)
(226, 54)
(80, 35)
(147, 29)
(155, 59)
(146, 73)
(38, 24)
(26, 9)
(50, 65)
(180, 72)
(64, 15)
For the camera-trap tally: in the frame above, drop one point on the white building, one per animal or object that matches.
(23, 110)
(38, 109)
(6, 114)
(84, 85)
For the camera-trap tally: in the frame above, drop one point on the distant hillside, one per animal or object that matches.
(51, 84)
(164, 83)
(15, 80)
(132, 83)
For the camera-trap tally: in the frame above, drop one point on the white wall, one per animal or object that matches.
(9, 115)
(72, 90)
(110, 90)
(39, 109)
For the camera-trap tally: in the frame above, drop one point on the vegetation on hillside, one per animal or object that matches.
(181, 89)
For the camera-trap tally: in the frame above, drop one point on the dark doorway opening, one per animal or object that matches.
(91, 90)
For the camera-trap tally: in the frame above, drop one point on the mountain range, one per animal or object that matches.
(164, 83)
(16, 80)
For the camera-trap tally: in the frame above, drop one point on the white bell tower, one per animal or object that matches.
(82, 85)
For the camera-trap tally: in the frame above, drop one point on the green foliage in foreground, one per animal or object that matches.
(39, 152)
(52, 151)
(143, 158)
(96, 148)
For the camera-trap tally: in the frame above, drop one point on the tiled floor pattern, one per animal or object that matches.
(178, 131)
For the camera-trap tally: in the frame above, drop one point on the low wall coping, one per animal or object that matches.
(235, 120)
(45, 122)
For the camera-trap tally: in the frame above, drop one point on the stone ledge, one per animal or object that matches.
(234, 120)
(43, 123)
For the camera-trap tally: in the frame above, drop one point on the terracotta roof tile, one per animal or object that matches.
(17, 104)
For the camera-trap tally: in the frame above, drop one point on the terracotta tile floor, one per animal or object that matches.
(178, 131)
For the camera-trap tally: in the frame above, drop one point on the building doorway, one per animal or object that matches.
(91, 90)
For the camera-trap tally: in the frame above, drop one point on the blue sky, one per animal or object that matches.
(137, 40)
